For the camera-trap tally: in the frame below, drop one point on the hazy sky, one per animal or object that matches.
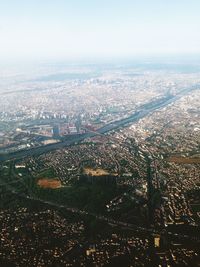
(97, 28)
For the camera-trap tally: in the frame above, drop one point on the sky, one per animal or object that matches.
(63, 29)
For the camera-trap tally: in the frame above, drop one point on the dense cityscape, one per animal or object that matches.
(99, 133)
(99, 165)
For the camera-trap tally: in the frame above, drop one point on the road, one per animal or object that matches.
(128, 226)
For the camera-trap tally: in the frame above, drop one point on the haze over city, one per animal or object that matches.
(99, 133)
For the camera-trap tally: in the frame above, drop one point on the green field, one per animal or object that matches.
(195, 207)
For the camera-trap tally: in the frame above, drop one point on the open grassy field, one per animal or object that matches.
(47, 179)
(96, 172)
(49, 183)
(183, 160)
